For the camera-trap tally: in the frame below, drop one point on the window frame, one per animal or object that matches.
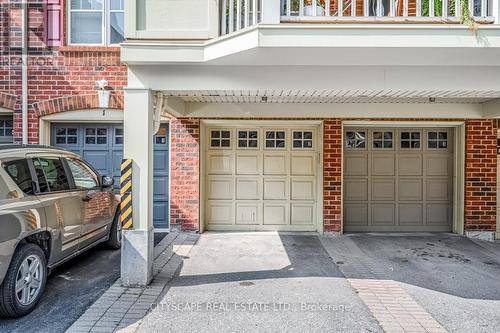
(105, 24)
(72, 178)
(356, 130)
(275, 147)
(220, 130)
(34, 176)
(6, 138)
(34, 183)
(302, 139)
(437, 140)
(410, 140)
(96, 135)
(383, 139)
(247, 139)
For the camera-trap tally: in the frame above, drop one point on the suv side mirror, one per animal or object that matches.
(107, 182)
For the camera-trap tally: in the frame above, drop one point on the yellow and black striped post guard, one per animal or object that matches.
(126, 194)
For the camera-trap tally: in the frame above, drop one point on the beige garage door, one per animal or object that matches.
(398, 180)
(261, 178)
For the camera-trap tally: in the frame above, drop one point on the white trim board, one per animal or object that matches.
(353, 110)
(4, 111)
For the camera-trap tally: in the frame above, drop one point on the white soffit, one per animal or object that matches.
(333, 96)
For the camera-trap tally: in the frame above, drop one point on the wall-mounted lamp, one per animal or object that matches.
(103, 93)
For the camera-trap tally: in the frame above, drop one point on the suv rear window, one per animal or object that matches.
(19, 171)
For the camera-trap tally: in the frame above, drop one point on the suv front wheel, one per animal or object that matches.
(24, 282)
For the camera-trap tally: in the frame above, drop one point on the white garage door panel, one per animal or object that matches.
(248, 163)
(248, 213)
(248, 188)
(303, 213)
(261, 178)
(276, 213)
(220, 212)
(276, 163)
(398, 179)
(304, 164)
(219, 163)
(275, 188)
(220, 188)
(303, 188)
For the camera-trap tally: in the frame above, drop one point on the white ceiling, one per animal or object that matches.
(333, 96)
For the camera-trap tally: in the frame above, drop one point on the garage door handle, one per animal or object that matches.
(86, 198)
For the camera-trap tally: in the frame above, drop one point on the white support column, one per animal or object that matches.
(270, 12)
(495, 10)
(137, 243)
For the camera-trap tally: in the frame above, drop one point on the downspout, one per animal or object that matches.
(24, 72)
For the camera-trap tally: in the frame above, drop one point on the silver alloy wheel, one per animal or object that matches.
(29, 279)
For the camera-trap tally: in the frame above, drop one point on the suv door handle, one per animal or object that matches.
(86, 198)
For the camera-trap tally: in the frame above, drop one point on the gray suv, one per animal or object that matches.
(53, 206)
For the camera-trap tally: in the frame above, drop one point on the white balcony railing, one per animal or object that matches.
(393, 9)
(240, 14)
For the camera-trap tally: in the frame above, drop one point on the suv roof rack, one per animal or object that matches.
(22, 146)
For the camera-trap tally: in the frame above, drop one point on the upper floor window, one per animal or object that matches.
(98, 22)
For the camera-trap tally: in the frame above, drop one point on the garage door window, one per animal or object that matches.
(382, 140)
(276, 139)
(410, 140)
(96, 136)
(437, 140)
(248, 139)
(303, 139)
(355, 139)
(67, 136)
(220, 138)
(118, 136)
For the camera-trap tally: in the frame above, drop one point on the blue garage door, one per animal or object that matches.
(102, 146)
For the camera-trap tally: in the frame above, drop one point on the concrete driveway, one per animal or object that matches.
(354, 283)
(259, 282)
(455, 279)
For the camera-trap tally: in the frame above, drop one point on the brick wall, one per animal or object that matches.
(332, 175)
(184, 174)
(60, 78)
(480, 175)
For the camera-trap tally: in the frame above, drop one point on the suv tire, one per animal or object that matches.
(29, 261)
(115, 234)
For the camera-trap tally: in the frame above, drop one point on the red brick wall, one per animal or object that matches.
(332, 175)
(60, 79)
(480, 175)
(185, 173)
